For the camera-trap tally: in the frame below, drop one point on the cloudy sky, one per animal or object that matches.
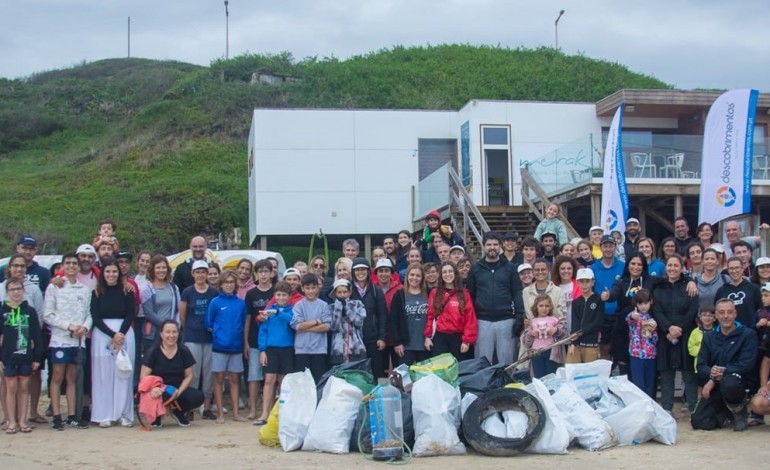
(688, 43)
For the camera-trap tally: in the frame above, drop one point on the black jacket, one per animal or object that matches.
(21, 334)
(375, 324)
(737, 352)
(496, 290)
(672, 306)
(587, 316)
(397, 319)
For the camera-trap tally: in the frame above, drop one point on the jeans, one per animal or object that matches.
(667, 388)
(643, 374)
(542, 365)
(495, 340)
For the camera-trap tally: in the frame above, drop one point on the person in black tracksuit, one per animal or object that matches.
(375, 325)
(587, 317)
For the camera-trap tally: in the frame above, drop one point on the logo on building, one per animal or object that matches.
(725, 196)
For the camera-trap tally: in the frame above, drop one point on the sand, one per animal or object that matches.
(234, 445)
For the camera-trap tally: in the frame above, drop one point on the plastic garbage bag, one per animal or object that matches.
(663, 426)
(332, 424)
(484, 380)
(297, 407)
(590, 381)
(516, 424)
(633, 424)
(444, 366)
(337, 371)
(468, 398)
(557, 433)
(592, 432)
(436, 409)
(268, 435)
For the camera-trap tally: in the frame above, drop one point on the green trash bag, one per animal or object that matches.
(358, 378)
(444, 366)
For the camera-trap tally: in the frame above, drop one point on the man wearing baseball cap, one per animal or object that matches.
(36, 274)
(632, 236)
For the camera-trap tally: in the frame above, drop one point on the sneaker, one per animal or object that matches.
(214, 409)
(73, 422)
(685, 408)
(105, 424)
(126, 423)
(158, 423)
(208, 414)
(180, 418)
(57, 424)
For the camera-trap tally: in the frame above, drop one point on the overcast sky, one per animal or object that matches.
(687, 43)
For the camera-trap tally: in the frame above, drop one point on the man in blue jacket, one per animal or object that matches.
(726, 359)
(607, 270)
(495, 287)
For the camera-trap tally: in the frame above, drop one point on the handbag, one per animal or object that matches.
(123, 366)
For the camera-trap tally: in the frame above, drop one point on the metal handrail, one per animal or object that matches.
(459, 197)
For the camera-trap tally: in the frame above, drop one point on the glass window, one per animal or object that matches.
(495, 136)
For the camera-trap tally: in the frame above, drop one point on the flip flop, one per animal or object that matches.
(38, 420)
(26, 429)
(260, 422)
(11, 430)
(756, 422)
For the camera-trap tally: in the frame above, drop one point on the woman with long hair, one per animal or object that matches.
(710, 279)
(667, 248)
(112, 311)
(694, 258)
(409, 328)
(451, 326)
(403, 245)
(655, 267)
(705, 234)
(160, 299)
(245, 272)
(583, 254)
(563, 274)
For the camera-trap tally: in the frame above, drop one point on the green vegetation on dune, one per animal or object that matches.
(160, 146)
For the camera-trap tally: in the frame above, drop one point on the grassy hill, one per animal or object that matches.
(160, 146)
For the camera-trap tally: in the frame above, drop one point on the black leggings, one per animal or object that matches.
(188, 400)
(448, 343)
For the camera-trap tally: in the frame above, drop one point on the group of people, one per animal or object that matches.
(190, 334)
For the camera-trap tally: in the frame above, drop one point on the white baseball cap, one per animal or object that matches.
(632, 220)
(292, 272)
(86, 248)
(762, 261)
(384, 263)
(200, 264)
(524, 267)
(595, 227)
(585, 273)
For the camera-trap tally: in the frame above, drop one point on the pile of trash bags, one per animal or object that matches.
(447, 405)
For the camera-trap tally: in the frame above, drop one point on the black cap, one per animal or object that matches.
(27, 240)
(548, 233)
(124, 254)
(361, 263)
(511, 236)
(608, 239)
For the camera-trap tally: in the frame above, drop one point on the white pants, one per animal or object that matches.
(112, 396)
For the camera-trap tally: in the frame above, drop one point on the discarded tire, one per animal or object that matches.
(496, 401)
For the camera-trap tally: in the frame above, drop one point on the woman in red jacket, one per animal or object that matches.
(451, 326)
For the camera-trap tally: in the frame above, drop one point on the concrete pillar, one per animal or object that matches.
(263, 242)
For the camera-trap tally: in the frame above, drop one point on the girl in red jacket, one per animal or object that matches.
(451, 326)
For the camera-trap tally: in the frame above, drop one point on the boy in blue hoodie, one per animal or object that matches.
(276, 343)
(226, 319)
(312, 319)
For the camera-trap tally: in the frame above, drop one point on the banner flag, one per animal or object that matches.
(614, 208)
(728, 148)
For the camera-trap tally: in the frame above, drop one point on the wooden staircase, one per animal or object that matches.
(500, 219)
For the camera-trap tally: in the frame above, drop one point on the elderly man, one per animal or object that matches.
(183, 277)
(726, 360)
(495, 288)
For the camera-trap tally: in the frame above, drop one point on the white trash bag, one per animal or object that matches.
(590, 381)
(468, 398)
(436, 411)
(592, 432)
(633, 424)
(663, 425)
(557, 432)
(516, 424)
(334, 418)
(296, 406)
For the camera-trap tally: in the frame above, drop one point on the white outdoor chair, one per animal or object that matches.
(643, 162)
(673, 166)
(760, 166)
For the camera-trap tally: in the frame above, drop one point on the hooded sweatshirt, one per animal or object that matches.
(22, 336)
(746, 297)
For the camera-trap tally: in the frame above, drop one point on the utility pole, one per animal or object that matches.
(227, 30)
(556, 28)
(129, 37)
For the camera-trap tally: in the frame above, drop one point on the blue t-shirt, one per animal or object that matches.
(197, 306)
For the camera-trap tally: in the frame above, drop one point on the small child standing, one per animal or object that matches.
(276, 346)
(311, 321)
(706, 322)
(642, 342)
(106, 234)
(347, 320)
(21, 351)
(544, 328)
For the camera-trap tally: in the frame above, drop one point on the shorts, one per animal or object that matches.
(227, 362)
(17, 370)
(66, 355)
(605, 332)
(279, 361)
(255, 367)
